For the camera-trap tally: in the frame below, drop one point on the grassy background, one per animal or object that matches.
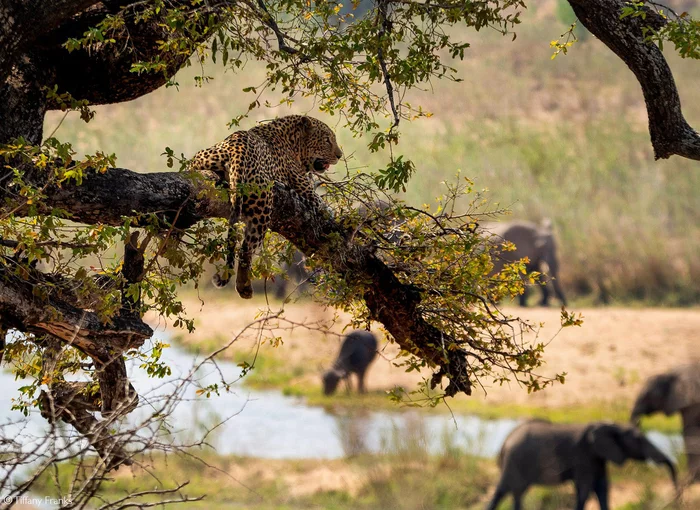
(404, 477)
(564, 139)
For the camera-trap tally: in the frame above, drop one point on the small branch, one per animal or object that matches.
(9, 243)
(384, 28)
(272, 24)
(68, 402)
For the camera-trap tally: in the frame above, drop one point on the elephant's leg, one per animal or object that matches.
(361, 381)
(583, 490)
(522, 298)
(497, 497)
(281, 288)
(691, 437)
(558, 291)
(518, 500)
(600, 487)
(545, 293)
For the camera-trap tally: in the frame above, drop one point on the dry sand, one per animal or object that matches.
(606, 359)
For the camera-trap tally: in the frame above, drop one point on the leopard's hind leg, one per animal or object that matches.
(231, 242)
(257, 220)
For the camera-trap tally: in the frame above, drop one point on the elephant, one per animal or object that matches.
(539, 452)
(676, 391)
(297, 274)
(358, 350)
(537, 243)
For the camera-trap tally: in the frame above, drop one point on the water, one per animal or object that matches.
(267, 424)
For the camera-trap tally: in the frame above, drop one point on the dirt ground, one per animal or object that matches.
(607, 359)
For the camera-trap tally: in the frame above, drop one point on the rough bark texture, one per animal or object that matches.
(22, 22)
(109, 66)
(670, 133)
(22, 101)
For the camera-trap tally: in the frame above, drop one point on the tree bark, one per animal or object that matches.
(22, 22)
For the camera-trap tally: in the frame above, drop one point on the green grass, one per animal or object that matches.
(618, 411)
(405, 478)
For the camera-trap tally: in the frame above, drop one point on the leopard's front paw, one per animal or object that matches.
(245, 290)
(244, 285)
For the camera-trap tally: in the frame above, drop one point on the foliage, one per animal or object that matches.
(358, 68)
(680, 29)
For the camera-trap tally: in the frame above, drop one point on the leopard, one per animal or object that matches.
(290, 150)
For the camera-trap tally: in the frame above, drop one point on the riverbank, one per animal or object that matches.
(606, 360)
(405, 478)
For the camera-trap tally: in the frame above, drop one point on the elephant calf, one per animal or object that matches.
(539, 452)
(537, 243)
(676, 391)
(356, 353)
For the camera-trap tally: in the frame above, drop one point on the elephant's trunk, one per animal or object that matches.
(635, 417)
(654, 454)
(672, 472)
(639, 410)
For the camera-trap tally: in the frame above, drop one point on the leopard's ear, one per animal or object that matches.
(305, 123)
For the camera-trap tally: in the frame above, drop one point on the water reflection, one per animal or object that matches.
(267, 424)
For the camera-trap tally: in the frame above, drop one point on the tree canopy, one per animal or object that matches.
(78, 306)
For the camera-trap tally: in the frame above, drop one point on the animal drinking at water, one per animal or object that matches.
(356, 353)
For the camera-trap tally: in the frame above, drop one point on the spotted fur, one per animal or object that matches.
(288, 150)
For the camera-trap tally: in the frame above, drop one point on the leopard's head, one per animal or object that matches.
(322, 149)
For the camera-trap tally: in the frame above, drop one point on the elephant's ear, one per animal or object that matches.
(674, 392)
(684, 389)
(604, 440)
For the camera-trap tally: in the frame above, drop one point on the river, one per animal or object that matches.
(268, 424)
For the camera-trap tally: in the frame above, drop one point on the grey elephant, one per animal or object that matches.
(537, 243)
(676, 391)
(358, 350)
(298, 277)
(539, 452)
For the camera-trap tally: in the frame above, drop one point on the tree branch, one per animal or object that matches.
(394, 304)
(670, 133)
(23, 22)
(20, 309)
(104, 74)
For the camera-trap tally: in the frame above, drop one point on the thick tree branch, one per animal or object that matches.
(23, 101)
(104, 75)
(21, 309)
(22, 22)
(69, 402)
(670, 133)
(172, 195)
